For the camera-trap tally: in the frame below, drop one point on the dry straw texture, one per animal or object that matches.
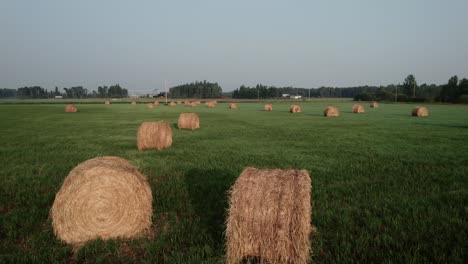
(197, 102)
(374, 105)
(71, 108)
(357, 108)
(210, 104)
(194, 104)
(179, 102)
(187, 104)
(331, 111)
(134, 103)
(107, 102)
(102, 198)
(268, 107)
(156, 135)
(150, 106)
(156, 103)
(270, 217)
(420, 111)
(172, 104)
(232, 106)
(295, 109)
(188, 121)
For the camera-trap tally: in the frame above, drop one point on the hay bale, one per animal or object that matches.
(172, 104)
(71, 108)
(179, 102)
(233, 106)
(357, 108)
(420, 111)
(269, 217)
(295, 109)
(331, 111)
(156, 135)
(102, 198)
(150, 106)
(188, 121)
(187, 104)
(134, 103)
(194, 104)
(268, 107)
(107, 102)
(210, 104)
(374, 105)
(156, 103)
(197, 102)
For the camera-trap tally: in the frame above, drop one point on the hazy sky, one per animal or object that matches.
(139, 44)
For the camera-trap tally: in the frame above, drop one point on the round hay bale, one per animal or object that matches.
(269, 218)
(357, 108)
(172, 104)
(102, 198)
(233, 106)
(156, 135)
(197, 102)
(194, 104)
(295, 109)
(374, 105)
(188, 121)
(420, 111)
(71, 108)
(210, 105)
(331, 111)
(156, 103)
(187, 104)
(107, 102)
(268, 107)
(134, 103)
(150, 106)
(179, 102)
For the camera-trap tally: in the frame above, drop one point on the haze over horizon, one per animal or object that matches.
(282, 43)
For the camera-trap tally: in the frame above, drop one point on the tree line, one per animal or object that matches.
(196, 90)
(35, 92)
(454, 91)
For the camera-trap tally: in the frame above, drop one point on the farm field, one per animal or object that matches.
(386, 186)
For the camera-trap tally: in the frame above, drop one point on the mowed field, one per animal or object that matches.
(386, 186)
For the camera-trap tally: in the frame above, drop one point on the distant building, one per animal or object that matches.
(296, 96)
(285, 95)
(58, 97)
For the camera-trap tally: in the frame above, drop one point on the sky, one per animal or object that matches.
(139, 44)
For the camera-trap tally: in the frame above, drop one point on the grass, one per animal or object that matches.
(387, 187)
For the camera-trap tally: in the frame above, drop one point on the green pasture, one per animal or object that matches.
(387, 187)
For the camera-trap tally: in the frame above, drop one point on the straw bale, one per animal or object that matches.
(357, 108)
(134, 103)
(150, 106)
(172, 104)
(71, 108)
(269, 218)
(331, 111)
(102, 198)
(233, 106)
(194, 104)
(187, 104)
(210, 104)
(268, 107)
(156, 135)
(156, 103)
(107, 102)
(189, 121)
(295, 109)
(374, 105)
(420, 111)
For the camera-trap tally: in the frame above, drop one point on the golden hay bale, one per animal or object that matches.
(268, 107)
(187, 104)
(156, 103)
(295, 109)
(420, 111)
(172, 104)
(331, 111)
(233, 106)
(198, 102)
(210, 104)
(102, 198)
(269, 217)
(194, 104)
(134, 103)
(71, 108)
(188, 121)
(150, 106)
(374, 105)
(156, 135)
(179, 102)
(107, 102)
(357, 108)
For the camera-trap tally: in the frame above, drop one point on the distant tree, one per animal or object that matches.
(410, 85)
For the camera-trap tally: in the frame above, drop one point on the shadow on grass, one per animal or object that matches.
(208, 194)
(444, 125)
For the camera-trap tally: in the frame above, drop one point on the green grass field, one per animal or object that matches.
(387, 187)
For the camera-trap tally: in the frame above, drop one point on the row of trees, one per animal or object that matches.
(453, 91)
(32, 92)
(196, 90)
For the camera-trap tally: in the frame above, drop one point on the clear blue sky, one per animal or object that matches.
(139, 44)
